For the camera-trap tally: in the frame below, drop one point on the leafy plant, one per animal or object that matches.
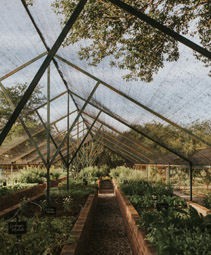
(36, 175)
(42, 234)
(68, 203)
(207, 200)
(6, 190)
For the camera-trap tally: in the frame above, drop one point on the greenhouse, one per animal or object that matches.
(105, 131)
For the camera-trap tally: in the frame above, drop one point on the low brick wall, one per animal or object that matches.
(82, 228)
(136, 237)
(14, 198)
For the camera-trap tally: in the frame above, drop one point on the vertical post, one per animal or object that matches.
(84, 138)
(48, 134)
(11, 172)
(156, 170)
(77, 158)
(168, 174)
(191, 181)
(68, 139)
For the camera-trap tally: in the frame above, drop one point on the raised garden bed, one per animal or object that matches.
(163, 220)
(14, 198)
(82, 228)
(49, 226)
(136, 237)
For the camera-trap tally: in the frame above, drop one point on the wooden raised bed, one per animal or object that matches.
(82, 228)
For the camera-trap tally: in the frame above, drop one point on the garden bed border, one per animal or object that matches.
(138, 244)
(11, 201)
(82, 228)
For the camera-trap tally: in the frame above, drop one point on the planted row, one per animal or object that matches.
(170, 226)
(47, 230)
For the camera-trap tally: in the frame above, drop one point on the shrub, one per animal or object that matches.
(36, 175)
(207, 200)
(6, 190)
(91, 173)
(123, 174)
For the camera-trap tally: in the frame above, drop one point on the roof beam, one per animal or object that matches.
(134, 101)
(125, 145)
(41, 70)
(162, 28)
(133, 128)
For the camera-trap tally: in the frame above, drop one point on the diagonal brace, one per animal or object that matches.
(82, 142)
(74, 122)
(41, 70)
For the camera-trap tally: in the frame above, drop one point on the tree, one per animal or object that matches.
(133, 44)
(108, 157)
(15, 93)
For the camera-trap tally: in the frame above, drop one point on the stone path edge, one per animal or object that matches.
(82, 228)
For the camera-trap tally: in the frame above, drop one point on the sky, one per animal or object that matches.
(180, 91)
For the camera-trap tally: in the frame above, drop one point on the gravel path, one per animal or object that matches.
(108, 236)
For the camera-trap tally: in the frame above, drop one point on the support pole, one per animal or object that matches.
(156, 171)
(11, 172)
(75, 121)
(191, 181)
(48, 135)
(168, 174)
(82, 142)
(68, 140)
(41, 70)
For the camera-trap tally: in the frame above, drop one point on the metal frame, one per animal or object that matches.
(50, 57)
(133, 100)
(120, 134)
(119, 143)
(162, 28)
(42, 69)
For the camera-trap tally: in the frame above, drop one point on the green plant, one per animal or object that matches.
(6, 190)
(68, 203)
(43, 234)
(76, 189)
(36, 175)
(91, 174)
(177, 231)
(207, 200)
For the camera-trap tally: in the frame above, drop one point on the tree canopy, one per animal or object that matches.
(133, 44)
(15, 93)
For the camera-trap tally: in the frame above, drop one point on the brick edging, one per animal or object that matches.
(14, 198)
(136, 237)
(82, 228)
